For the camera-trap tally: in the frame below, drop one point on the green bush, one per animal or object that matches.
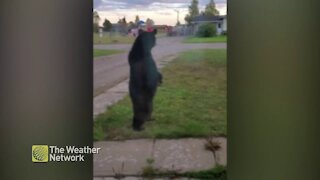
(207, 30)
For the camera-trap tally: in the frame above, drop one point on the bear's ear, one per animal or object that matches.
(140, 31)
(155, 31)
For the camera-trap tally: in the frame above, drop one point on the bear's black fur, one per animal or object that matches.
(144, 78)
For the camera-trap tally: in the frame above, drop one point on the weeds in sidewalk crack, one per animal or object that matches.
(119, 175)
(149, 170)
(213, 146)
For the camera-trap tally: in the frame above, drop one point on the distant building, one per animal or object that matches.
(180, 30)
(219, 21)
(161, 27)
(115, 27)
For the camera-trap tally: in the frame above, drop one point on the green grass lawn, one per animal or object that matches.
(206, 40)
(114, 39)
(191, 102)
(103, 52)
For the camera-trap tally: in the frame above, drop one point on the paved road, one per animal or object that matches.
(113, 69)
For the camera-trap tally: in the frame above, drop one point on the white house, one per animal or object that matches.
(219, 21)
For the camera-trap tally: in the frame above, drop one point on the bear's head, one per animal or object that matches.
(148, 39)
(144, 42)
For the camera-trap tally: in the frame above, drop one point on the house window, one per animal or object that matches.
(219, 25)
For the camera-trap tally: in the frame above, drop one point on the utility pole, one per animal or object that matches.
(178, 13)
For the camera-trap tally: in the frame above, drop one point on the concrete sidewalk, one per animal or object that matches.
(129, 157)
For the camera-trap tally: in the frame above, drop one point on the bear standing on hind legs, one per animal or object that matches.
(144, 78)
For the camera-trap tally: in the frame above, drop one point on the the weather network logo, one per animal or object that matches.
(40, 153)
(52, 153)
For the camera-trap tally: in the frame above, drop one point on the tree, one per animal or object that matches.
(124, 21)
(193, 8)
(120, 21)
(188, 19)
(131, 25)
(193, 11)
(137, 19)
(107, 25)
(96, 17)
(96, 20)
(123, 25)
(211, 9)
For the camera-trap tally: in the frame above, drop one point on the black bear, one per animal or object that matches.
(144, 78)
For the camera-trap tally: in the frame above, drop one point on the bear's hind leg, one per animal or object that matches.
(140, 116)
(149, 109)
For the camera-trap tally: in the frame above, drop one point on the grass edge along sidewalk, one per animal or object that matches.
(190, 103)
(219, 172)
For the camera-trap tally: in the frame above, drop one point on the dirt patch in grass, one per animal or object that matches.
(190, 103)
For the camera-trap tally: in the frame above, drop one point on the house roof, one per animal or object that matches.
(207, 18)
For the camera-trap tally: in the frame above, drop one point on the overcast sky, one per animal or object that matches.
(161, 11)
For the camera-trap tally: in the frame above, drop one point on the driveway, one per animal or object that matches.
(113, 69)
